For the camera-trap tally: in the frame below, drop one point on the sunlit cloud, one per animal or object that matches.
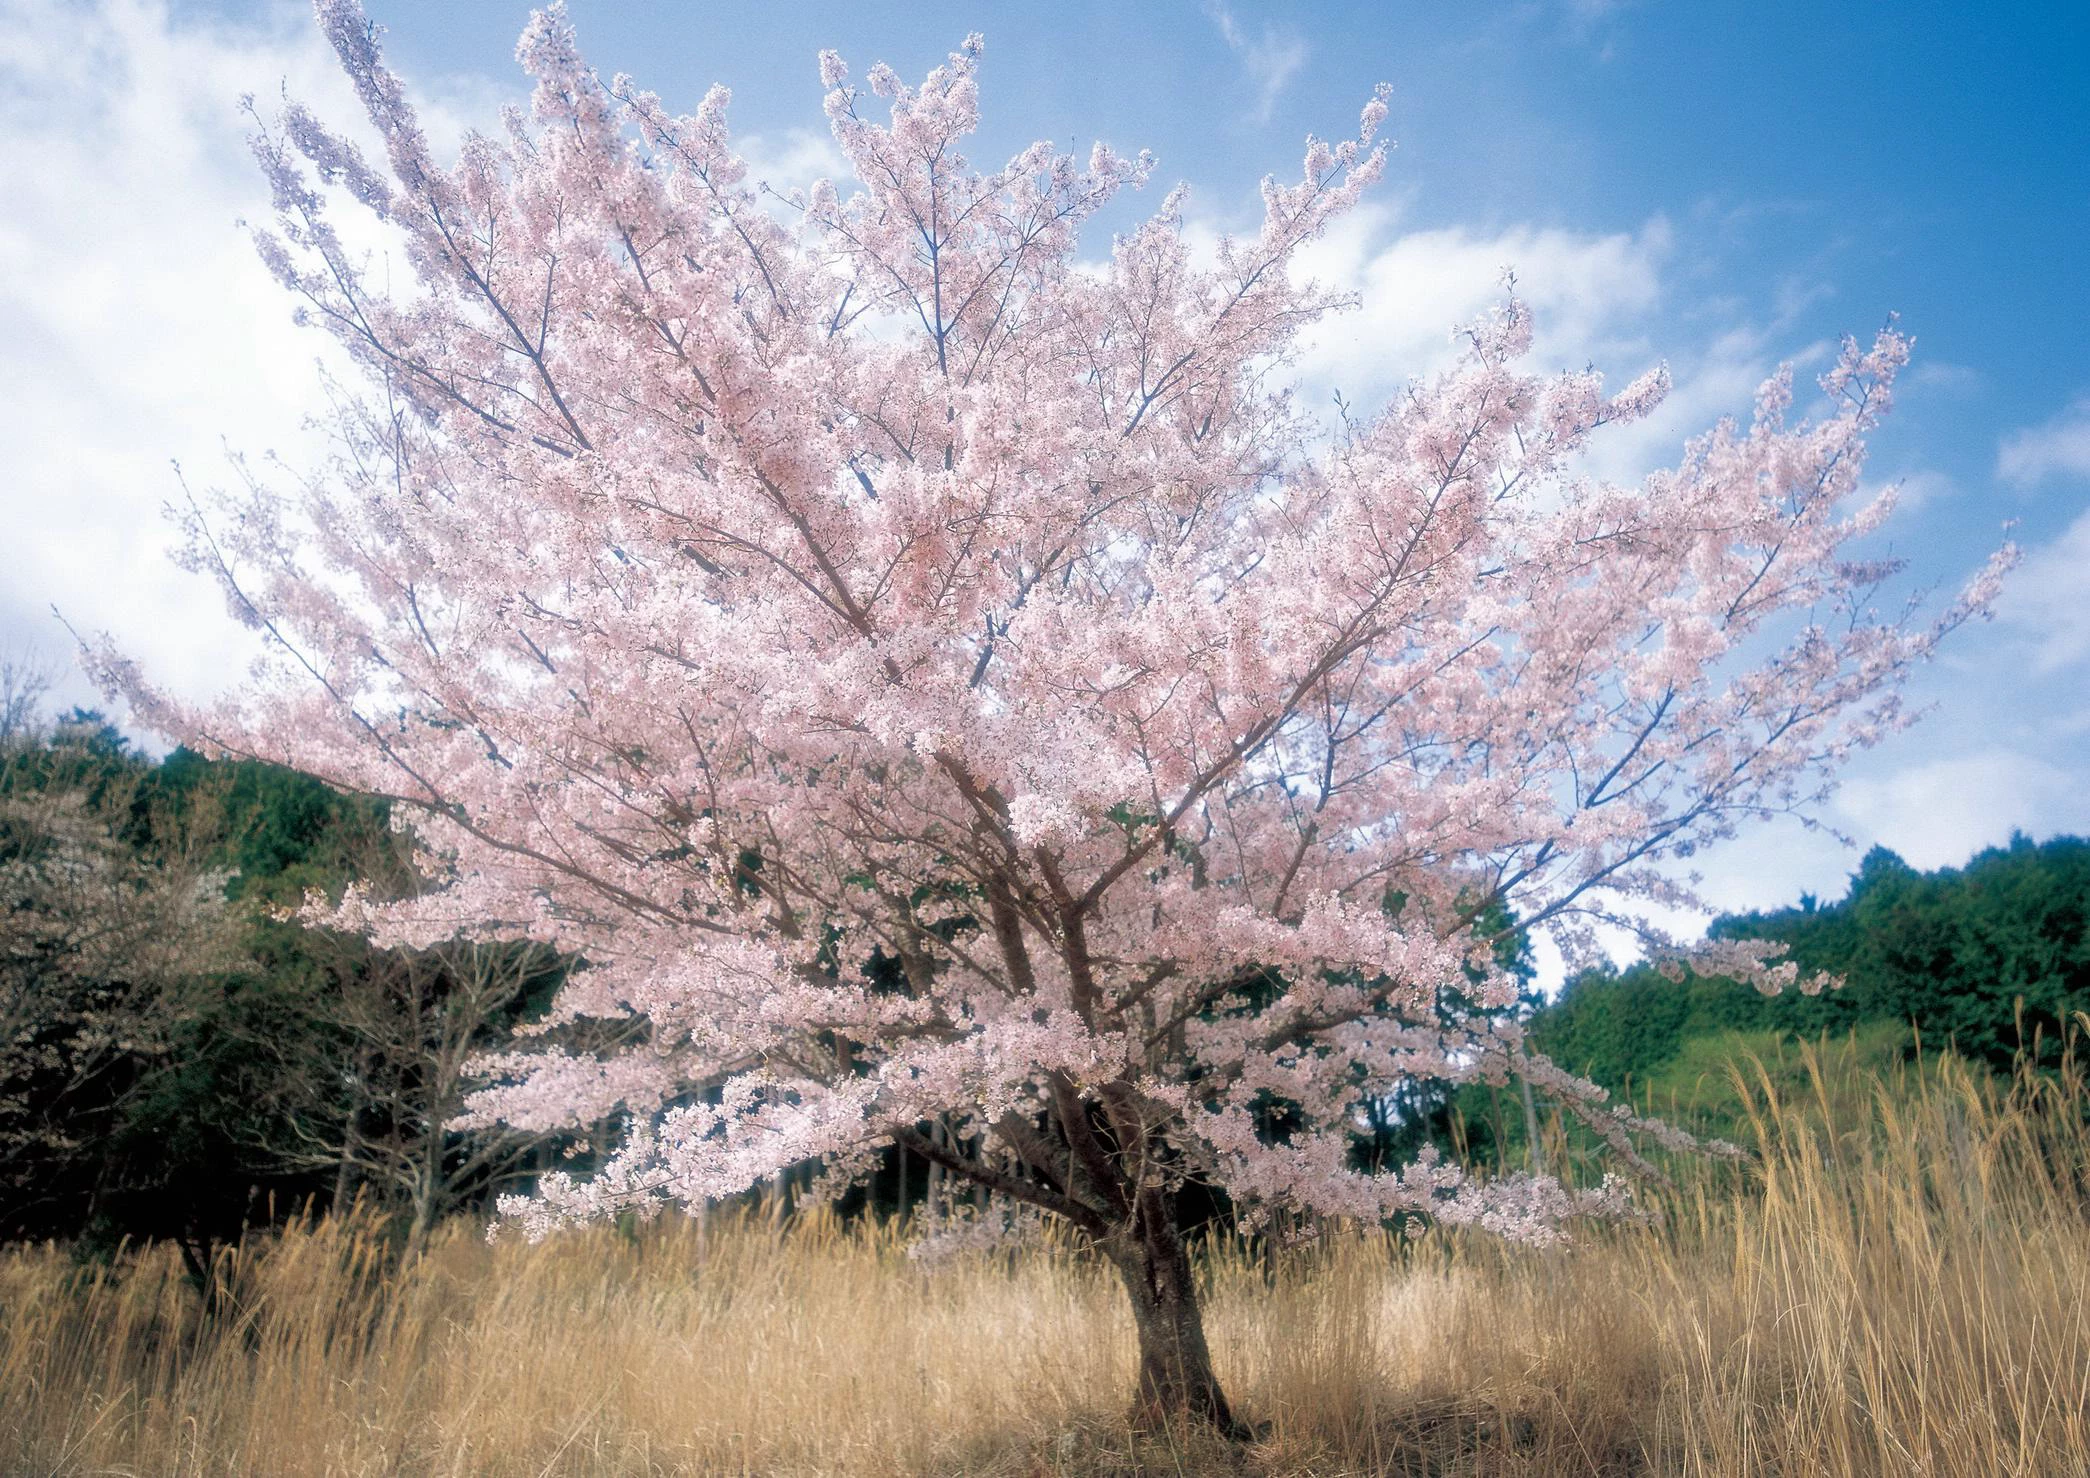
(2056, 448)
(1270, 58)
(138, 330)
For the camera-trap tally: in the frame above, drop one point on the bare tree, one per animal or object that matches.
(25, 682)
(411, 1022)
(100, 938)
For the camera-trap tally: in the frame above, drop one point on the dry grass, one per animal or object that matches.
(1905, 1295)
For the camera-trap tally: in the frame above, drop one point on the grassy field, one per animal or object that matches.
(1908, 1292)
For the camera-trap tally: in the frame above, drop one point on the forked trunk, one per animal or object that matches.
(1176, 1384)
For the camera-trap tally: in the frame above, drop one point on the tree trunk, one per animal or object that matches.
(1536, 1153)
(428, 1188)
(1176, 1382)
(422, 1218)
(345, 1167)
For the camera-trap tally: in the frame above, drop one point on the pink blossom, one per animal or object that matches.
(733, 599)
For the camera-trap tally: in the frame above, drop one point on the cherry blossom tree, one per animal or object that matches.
(931, 674)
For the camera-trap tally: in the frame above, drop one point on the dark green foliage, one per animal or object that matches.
(108, 916)
(1433, 1112)
(295, 1068)
(282, 832)
(1616, 1027)
(1991, 961)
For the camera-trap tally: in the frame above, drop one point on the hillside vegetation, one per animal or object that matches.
(1990, 962)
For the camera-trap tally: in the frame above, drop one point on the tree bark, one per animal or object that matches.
(423, 1215)
(1536, 1153)
(1177, 1386)
(1143, 1239)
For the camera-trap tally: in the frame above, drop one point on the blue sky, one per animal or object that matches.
(1928, 158)
(1721, 185)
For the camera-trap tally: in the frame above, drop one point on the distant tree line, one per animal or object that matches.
(1990, 961)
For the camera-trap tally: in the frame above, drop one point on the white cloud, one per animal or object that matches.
(137, 327)
(1270, 59)
(135, 324)
(1944, 376)
(2056, 448)
(1770, 864)
(1591, 23)
(1602, 299)
(1938, 813)
(1920, 488)
(794, 161)
(1933, 813)
(1591, 295)
(2048, 599)
(1597, 298)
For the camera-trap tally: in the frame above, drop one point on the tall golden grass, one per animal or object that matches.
(1902, 1286)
